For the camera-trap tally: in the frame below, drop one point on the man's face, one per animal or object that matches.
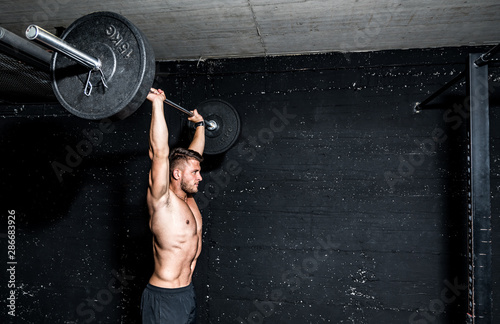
(191, 177)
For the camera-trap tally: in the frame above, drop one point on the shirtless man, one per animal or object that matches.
(175, 220)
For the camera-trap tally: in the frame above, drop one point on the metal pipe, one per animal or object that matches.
(448, 85)
(34, 32)
(23, 50)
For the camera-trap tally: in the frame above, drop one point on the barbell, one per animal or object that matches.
(103, 67)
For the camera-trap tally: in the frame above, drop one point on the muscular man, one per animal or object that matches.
(175, 220)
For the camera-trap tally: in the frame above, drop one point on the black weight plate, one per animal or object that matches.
(128, 64)
(221, 139)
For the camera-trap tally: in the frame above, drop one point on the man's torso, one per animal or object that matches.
(176, 227)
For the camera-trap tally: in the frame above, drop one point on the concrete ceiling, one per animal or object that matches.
(198, 29)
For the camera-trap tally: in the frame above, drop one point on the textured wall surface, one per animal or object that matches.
(189, 30)
(337, 204)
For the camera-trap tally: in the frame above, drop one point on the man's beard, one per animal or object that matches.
(188, 189)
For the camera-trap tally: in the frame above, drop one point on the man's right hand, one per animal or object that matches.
(156, 94)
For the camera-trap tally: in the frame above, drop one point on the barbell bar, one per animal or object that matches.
(211, 124)
(22, 50)
(108, 57)
(33, 32)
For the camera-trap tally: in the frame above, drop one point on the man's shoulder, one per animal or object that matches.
(161, 202)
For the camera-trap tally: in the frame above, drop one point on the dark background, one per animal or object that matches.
(337, 204)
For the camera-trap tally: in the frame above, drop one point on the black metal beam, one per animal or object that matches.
(479, 240)
(481, 59)
(486, 57)
(458, 77)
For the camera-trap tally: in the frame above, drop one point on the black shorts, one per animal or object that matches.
(168, 306)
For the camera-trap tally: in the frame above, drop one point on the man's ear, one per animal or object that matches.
(176, 174)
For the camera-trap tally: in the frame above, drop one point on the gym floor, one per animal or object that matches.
(337, 203)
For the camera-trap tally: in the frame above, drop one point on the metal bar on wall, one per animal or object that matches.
(438, 92)
(481, 59)
(479, 214)
(486, 57)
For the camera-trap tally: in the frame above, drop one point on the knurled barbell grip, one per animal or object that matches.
(34, 32)
(211, 124)
(176, 106)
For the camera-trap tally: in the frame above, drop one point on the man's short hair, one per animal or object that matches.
(179, 156)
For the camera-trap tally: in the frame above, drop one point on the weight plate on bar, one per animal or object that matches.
(128, 65)
(223, 137)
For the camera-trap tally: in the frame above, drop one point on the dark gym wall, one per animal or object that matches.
(337, 204)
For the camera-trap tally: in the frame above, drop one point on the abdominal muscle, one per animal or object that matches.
(176, 245)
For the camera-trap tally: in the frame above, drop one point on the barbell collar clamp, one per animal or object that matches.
(212, 125)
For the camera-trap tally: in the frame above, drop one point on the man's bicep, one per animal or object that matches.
(159, 177)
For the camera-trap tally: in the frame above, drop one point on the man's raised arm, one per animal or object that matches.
(158, 147)
(198, 142)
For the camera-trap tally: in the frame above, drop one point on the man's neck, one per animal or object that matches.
(181, 194)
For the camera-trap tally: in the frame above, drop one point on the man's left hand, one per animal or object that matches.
(196, 118)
